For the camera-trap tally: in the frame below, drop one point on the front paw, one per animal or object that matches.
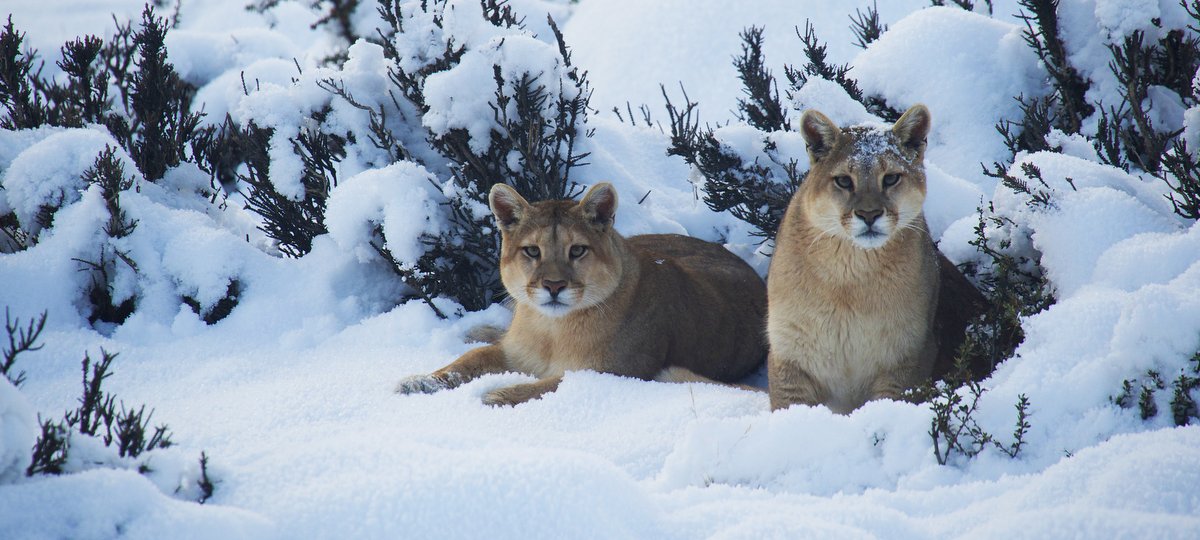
(423, 384)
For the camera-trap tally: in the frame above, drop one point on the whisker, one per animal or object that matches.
(823, 230)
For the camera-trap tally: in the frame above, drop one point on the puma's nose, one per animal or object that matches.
(554, 287)
(868, 216)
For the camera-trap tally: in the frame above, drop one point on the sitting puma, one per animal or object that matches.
(853, 285)
(655, 306)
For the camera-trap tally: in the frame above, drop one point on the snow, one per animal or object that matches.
(833, 101)
(920, 59)
(18, 431)
(628, 55)
(290, 395)
(398, 198)
(83, 506)
(460, 98)
(39, 176)
(202, 56)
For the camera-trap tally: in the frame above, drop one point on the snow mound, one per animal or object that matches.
(18, 431)
(116, 504)
(909, 64)
(50, 172)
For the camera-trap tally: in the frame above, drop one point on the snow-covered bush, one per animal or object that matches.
(308, 341)
(751, 170)
(124, 90)
(1132, 113)
(495, 104)
(459, 88)
(126, 85)
(101, 432)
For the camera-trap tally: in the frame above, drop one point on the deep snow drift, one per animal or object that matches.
(290, 395)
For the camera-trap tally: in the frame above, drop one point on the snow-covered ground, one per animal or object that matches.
(291, 397)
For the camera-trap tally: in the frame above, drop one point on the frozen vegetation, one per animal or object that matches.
(260, 264)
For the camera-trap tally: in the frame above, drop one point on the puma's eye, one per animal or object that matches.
(532, 251)
(577, 251)
(891, 180)
(844, 182)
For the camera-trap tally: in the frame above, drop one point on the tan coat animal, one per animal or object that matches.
(664, 307)
(853, 285)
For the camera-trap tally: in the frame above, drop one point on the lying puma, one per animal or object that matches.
(664, 307)
(854, 281)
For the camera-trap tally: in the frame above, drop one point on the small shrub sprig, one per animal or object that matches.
(1013, 283)
(108, 173)
(1070, 88)
(1182, 173)
(51, 448)
(99, 414)
(162, 125)
(1014, 287)
(205, 483)
(21, 339)
(954, 429)
(1183, 405)
(818, 65)
(866, 25)
(752, 192)
(98, 410)
(24, 105)
(761, 107)
(295, 222)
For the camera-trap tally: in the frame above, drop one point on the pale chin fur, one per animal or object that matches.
(860, 234)
(567, 302)
(875, 241)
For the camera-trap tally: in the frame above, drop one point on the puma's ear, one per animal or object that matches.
(820, 133)
(599, 204)
(508, 205)
(912, 128)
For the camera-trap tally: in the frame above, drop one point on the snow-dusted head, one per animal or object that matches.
(865, 183)
(558, 256)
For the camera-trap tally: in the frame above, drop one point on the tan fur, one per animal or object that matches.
(851, 312)
(633, 307)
